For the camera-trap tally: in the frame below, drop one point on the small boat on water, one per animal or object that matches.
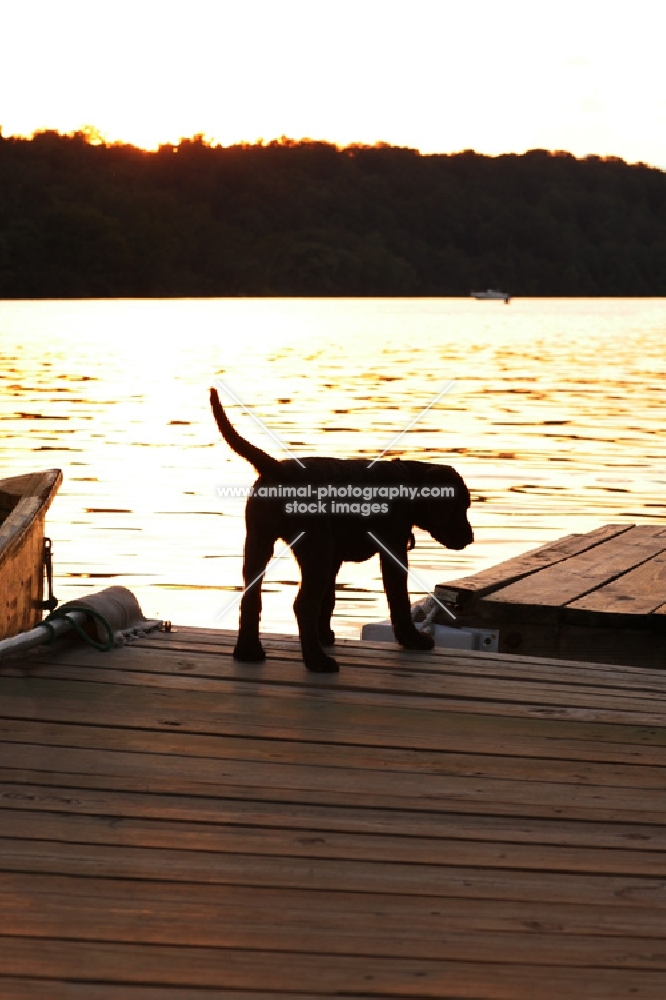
(492, 293)
(24, 552)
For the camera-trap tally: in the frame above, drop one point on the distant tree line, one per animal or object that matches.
(80, 219)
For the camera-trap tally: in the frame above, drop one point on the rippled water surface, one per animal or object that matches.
(554, 420)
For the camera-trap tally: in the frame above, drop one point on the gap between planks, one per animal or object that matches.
(166, 899)
(460, 840)
(495, 750)
(387, 655)
(181, 760)
(330, 933)
(210, 658)
(568, 581)
(258, 969)
(299, 719)
(119, 866)
(473, 695)
(118, 797)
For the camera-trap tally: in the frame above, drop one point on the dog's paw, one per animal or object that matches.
(322, 664)
(327, 637)
(249, 652)
(417, 640)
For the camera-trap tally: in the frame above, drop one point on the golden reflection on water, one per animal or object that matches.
(554, 421)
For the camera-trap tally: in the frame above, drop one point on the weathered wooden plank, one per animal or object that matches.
(626, 644)
(287, 829)
(556, 586)
(66, 989)
(360, 669)
(182, 906)
(324, 932)
(190, 800)
(638, 592)
(314, 769)
(405, 770)
(298, 718)
(373, 656)
(581, 639)
(466, 590)
(233, 968)
(622, 654)
(487, 750)
(22, 568)
(596, 638)
(355, 652)
(326, 874)
(430, 692)
(40, 989)
(26, 500)
(396, 838)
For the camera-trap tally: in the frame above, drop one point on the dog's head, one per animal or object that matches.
(443, 508)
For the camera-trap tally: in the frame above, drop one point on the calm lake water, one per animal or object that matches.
(555, 421)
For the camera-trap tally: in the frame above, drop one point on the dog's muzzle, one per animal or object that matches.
(460, 540)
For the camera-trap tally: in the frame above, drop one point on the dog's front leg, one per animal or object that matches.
(395, 585)
(258, 551)
(326, 633)
(315, 563)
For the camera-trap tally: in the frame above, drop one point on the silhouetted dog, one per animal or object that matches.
(333, 535)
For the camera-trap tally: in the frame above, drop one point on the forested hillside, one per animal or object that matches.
(305, 218)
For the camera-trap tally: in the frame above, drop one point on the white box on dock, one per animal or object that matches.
(485, 640)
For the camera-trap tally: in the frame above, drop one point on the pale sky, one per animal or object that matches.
(438, 76)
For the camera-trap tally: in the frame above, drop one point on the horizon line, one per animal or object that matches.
(95, 137)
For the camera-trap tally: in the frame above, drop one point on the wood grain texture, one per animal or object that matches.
(175, 826)
(394, 931)
(59, 895)
(42, 989)
(214, 659)
(466, 590)
(571, 579)
(460, 740)
(275, 972)
(599, 597)
(92, 750)
(24, 501)
(455, 838)
(425, 691)
(637, 592)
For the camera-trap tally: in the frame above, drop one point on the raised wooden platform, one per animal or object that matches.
(174, 826)
(24, 501)
(599, 597)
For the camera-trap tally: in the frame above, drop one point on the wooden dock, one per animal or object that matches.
(598, 597)
(175, 826)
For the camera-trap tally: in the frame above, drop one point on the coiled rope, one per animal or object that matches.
(103, 647)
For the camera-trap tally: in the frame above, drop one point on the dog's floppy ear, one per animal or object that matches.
(445, 507)
(444, 482)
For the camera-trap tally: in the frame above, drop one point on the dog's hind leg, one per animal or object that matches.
(258, 552)
(315, 561)
(326, 634)
(395, 585)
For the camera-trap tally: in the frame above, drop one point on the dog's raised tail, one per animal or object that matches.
(262, 462)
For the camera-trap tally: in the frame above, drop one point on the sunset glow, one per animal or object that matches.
(436, 76)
